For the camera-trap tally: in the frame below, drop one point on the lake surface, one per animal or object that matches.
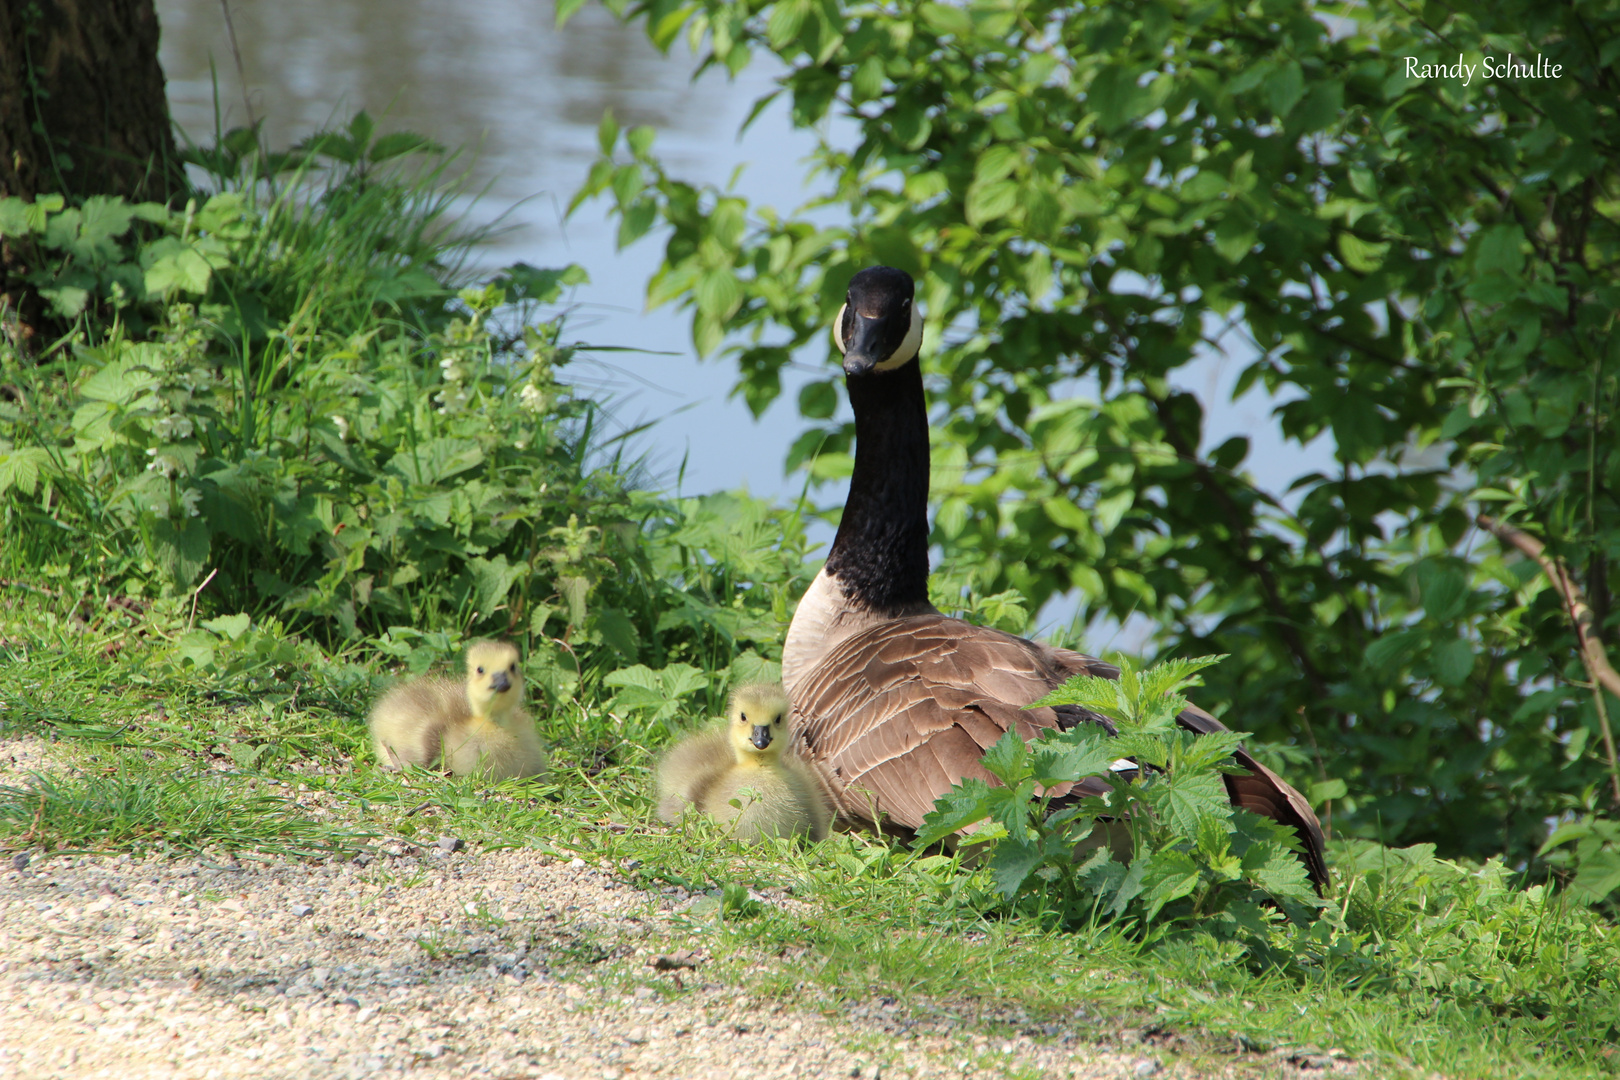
(499, 78)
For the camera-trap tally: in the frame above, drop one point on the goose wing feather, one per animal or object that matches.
(894, 716)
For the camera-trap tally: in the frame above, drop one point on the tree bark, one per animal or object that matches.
(83, 111)
(83, 106)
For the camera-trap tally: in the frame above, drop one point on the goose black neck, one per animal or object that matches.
(880, 556)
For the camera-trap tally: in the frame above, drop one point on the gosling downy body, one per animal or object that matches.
(476, 726)
(893, 701)
(739, 774)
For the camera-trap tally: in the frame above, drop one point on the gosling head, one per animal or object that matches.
(879, 327)
(494, 680)
(759, 722)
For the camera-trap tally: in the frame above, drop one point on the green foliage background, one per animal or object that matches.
(286, 400)
(1089, 195)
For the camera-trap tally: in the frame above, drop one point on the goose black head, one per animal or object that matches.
(879, 327)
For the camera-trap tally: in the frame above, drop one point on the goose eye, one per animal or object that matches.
(512, 669)
(480, 669)
(744, 717)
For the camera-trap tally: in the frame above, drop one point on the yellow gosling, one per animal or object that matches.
(741, 775)
(477, 726)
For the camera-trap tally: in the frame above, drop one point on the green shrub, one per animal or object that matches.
(278, 399)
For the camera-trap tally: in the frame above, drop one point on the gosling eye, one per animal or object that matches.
(744, 717)
(513, 669)
(480, 669)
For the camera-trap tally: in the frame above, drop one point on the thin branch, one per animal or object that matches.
(1593, 656)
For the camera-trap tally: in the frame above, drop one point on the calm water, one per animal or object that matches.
(499, 78)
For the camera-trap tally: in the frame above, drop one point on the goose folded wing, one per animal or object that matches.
(896, 715)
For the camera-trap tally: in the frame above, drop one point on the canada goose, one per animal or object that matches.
(743, 763)
(476, 726)
(894, 702)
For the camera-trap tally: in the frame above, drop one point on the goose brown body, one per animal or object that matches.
(895, 702)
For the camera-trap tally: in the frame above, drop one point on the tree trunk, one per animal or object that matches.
(83, 111)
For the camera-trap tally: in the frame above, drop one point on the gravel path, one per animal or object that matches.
(427, 961)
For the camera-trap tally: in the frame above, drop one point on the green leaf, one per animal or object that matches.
(964, 804)
(1186, 802)
(1362, 256)
(20, 468)
(1285, 86)
(1006, 759)
(946, 19)
(1453, 662)
(607, 130)
(436, 460)
(1169, 876)
(230, 627)
(565, 11)
(1443, 589)
(1011, 864)
(397, 144)
(1234, 238)
(172, 263)
(1084, 750)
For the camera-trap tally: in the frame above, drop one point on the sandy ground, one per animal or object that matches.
(422, 961)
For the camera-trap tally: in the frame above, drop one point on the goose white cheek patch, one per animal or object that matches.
(838, 328)
(908, 347)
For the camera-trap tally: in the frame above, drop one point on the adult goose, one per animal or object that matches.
(894, 702)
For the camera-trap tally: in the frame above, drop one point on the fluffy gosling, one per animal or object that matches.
(477, 726)
(744, 763)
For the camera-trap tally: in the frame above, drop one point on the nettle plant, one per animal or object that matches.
(1187, 853)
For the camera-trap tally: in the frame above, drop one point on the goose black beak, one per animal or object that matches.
(761, 738)
(500, 683)
(864, 345)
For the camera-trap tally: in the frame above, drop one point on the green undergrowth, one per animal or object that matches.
(1418, 966)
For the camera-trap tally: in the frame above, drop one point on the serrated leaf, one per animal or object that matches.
(20, 468)
(1169, 876)
(1011, 864)
(1081, 751)
(1006, 759)
(961, 806)
(1185, 802)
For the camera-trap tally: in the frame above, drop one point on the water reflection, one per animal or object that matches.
(499, 77)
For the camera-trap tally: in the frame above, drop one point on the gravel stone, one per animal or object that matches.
(450, 843)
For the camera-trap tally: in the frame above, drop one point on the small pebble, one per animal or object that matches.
(1146, 1067)
(302, 909)
(19, 861)
(450, 843)
(576, 864)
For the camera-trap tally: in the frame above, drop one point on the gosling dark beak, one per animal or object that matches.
(500, 683)
(761, 738)
(863, 343)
